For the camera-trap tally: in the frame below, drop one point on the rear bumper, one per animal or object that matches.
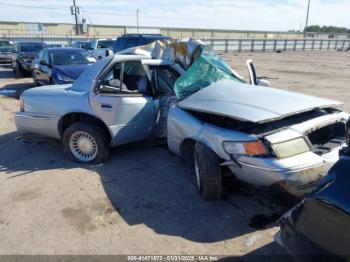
(37, 124)
(298, 175)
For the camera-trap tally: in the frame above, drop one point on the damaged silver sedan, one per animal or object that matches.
(182, 91)
(264, 136)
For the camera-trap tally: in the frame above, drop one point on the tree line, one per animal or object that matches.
(327, 29)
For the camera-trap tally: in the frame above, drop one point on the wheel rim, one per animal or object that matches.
(83, 146)
(196, 168)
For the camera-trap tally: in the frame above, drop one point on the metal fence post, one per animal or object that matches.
(285, 45)
(304, 44)
(313, 44)
(239, 45)
(336, 45)
(342, 47)
(264, 45)
(329, 44)
(321, 45)
(226, 46)
(252, 45)
(212, 43)
(295, 45)
(274, 45)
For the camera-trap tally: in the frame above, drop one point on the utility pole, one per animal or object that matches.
(75, 12)
(137, 20)
(307, 18)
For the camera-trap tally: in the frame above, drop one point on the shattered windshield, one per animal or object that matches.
(207, 69)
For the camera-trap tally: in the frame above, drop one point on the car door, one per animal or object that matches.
(46, 68)
(129, 113)
(43, 72)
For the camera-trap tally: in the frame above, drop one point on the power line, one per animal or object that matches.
(143, 16)
(34, 7)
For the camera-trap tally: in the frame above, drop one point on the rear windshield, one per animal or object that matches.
(68, 57)
(85, 45)
(105, 44)
(87, 78)
(30, 47)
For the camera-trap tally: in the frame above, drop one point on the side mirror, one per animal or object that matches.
(263, 82)
(42, 62)
(252, 72)
(35, 65)
(109, 52)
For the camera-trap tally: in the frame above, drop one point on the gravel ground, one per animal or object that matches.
(143, 199)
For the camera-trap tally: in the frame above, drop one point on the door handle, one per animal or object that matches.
(106, 106)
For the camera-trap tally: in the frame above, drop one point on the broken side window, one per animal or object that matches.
(207, 69)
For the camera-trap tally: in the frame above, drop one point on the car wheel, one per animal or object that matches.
(35, 82)
(20, 71)
(85, 143)
(208, 172)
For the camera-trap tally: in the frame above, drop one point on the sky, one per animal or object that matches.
(272, 15)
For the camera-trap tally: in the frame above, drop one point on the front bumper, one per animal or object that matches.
(298, 175)
(27, 66)
(5, 58)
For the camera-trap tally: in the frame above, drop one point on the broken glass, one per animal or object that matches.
(206, 70)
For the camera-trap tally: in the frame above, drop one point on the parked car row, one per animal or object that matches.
(98, 48)
(211, 117)
(37, 58)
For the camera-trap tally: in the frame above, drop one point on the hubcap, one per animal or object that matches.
(196, 168)
(83, 146)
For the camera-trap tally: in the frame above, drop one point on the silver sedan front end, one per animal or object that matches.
(292, 157)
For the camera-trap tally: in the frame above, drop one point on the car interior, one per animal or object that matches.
(130, 78)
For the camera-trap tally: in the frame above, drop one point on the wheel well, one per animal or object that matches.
(187, 149)
(69, 119)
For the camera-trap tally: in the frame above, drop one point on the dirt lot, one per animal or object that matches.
(143, 199)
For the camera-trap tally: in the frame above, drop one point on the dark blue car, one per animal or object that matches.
(132, 40)
(59, 65)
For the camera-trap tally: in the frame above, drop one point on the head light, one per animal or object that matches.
(252, 148)
(63, 78)
(290, 148)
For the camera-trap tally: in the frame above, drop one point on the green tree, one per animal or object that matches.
(327, 29)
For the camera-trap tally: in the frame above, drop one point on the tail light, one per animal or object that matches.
(21, 104)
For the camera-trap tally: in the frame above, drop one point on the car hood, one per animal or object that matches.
(252, 103)
(72, 71)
